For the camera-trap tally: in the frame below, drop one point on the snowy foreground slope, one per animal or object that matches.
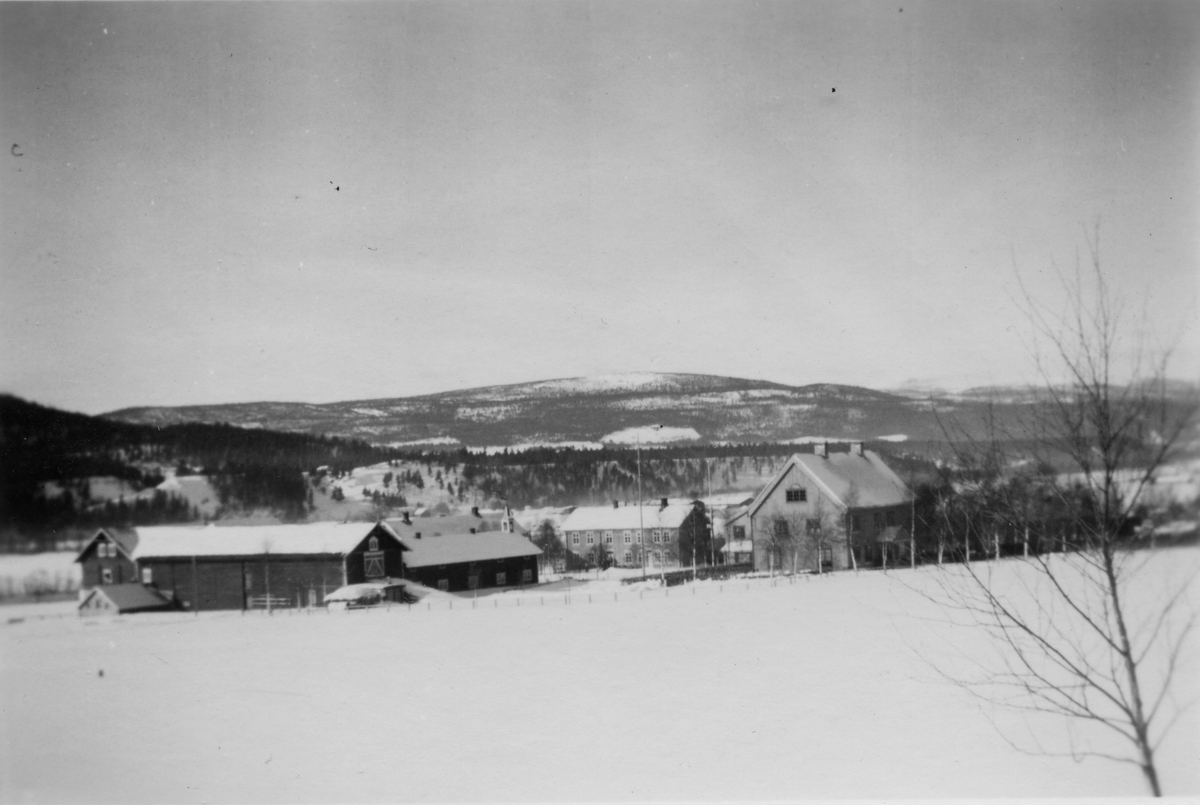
(736, 691)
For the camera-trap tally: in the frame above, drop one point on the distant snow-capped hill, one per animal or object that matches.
(585, 410)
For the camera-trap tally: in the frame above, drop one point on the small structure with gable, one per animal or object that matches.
(118, 599)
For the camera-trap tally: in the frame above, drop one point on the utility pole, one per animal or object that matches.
(641, 523)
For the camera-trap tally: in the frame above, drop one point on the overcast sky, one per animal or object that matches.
(221, 202)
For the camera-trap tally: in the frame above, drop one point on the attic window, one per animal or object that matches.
(797, 495)
(373, 544)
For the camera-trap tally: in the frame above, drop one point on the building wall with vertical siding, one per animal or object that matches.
(458, 575)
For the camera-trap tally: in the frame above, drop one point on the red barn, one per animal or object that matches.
(241, 567)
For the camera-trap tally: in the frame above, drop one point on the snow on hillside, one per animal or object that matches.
(627, 381)
(754, 689)
(493, 449)
(435, 440)
(650, 435)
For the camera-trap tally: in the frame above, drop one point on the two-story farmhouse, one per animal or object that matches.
(831, 504)
(632, 535)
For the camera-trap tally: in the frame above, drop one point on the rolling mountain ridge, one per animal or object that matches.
(718, 409)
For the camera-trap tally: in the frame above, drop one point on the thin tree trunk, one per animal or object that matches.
(1141, 728)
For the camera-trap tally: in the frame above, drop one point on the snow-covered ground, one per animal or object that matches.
(56, 567)
(734, 690)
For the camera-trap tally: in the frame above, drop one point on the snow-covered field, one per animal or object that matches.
(56, 567)
(736, 690)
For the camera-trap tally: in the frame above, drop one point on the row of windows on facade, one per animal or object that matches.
(630, 537)
(813, 525)
(106, 550)
(501, 580)
(628, 555)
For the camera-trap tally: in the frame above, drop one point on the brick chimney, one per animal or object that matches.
(474, 511)
(407, 519)
(664, 504)
(472, 531)
(821, 449)
(856, 448)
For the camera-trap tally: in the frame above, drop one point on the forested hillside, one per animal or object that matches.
(50, 458)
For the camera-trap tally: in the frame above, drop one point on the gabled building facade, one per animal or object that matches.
(627, 535)
(848, 507)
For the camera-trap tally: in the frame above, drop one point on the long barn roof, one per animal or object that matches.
(312, 539)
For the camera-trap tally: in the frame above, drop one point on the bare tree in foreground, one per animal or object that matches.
(1096, 630)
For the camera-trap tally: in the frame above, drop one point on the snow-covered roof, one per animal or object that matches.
(366, 589)
(601, 518)
(452, 524)
(451, 549)
(309, 539)
(738, 546)
(128, 597)
(853, 481)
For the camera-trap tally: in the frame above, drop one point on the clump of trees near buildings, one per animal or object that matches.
(1079, 629)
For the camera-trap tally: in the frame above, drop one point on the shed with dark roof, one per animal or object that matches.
(116, 599)
(455, 562)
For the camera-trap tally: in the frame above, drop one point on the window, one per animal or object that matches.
(639, 537)
(628, 558)
(501, 579)
(147, 575)
(106, 575)
(739, 532)
(658, 556)
(812, 526)
(657, 536)
(797, 495)
(444, 585)
(893, 518)
(826, 555)
(856, 522)
(781, 529)
(878, 521)
(590, 538)
(473, 582)
(373, 545)
(608, 538)
(574, 539)
(527, 575)
(628, 538)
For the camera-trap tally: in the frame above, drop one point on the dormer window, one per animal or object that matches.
(796, 494)
(373, 544)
